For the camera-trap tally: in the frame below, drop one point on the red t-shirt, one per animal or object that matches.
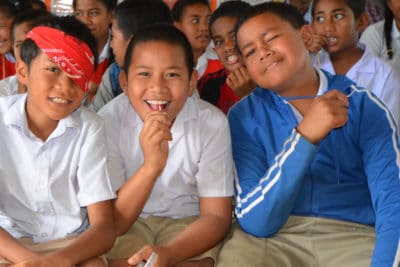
(7, 67)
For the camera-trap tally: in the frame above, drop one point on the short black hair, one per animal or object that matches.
(284, 11)
(131, 15)
(357, 6)
(30, 16)
(235, 9)
(109, 4)
(161, 32)
(7, 9)
(180, 6)
(38, 5)
(68, 24)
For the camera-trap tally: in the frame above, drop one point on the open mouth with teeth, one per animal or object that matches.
(158, 105)
(332, 40)
(59, 100)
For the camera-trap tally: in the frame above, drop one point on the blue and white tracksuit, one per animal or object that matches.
(351, 175)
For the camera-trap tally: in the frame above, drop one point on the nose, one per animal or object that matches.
(229, 43)
(266, 52)
(203, 25)
(329, 26)
(65, 84)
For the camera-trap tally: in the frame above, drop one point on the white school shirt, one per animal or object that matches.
(46, 186)
(199, 163)
(373, 38)
(9, 86)
(374, 74)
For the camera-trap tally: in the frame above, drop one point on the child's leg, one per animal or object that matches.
(171, 228)
(205, 262)
(126, 245)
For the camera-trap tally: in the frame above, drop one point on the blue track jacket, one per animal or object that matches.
(351, 175)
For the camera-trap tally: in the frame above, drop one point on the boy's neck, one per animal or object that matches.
(197, 54)
(344, 60)
(39, 125)
(306, 88)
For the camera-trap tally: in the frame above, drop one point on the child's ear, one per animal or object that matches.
(21, 69)
(177, 24)
(123, 81)
(193, 82)
(362, 22)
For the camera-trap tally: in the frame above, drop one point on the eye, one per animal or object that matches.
(218, 42)
(195, 21)
(144, 74)
(338, 16)
(171, 75)
(319, 19)
(78, 14)
(94, 13)
(268, 38)
(53, 69)
(249, 53)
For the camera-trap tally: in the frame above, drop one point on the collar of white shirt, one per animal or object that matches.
(16, 117)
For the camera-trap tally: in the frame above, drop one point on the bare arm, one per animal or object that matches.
(204, 233)
(11, 250)
(133, 195)
(95, 241)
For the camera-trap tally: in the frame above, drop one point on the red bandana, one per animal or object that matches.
(73, 56)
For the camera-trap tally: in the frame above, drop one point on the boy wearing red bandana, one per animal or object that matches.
(56, 207)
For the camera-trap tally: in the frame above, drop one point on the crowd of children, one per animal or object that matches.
(301, 170)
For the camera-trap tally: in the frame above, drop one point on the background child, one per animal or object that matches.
(228, 85)
(316, 157)
(170, 157)
(340, 22)
(7, 62)
(55, 207)
(22, 24)
(191, 17)
(129, 17)
(382, 38)
(97, 15)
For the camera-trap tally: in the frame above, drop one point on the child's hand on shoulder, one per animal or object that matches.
(326, 112)
(240, 82)
(154, 139)
(144, 254)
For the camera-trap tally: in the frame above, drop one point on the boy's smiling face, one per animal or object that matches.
(223, 35)
(273, 51)
(158, 79)
(335, 20)
(194, 23)
(95, 15)
(5, 37)
(52, 95)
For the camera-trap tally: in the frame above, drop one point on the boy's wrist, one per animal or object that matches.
(150, 170)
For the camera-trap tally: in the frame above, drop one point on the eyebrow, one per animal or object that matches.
(332, 11)
(168, 67)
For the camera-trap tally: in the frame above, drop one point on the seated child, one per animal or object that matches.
(7, 62)
(382, 38)
(97, 15)
(22, 24)
(191, 17)
(129, 17)
(317, 158)
(228, 85)
(340, 22)
(169, 155)
(56, 207)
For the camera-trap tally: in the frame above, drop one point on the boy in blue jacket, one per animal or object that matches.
(317, 158)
